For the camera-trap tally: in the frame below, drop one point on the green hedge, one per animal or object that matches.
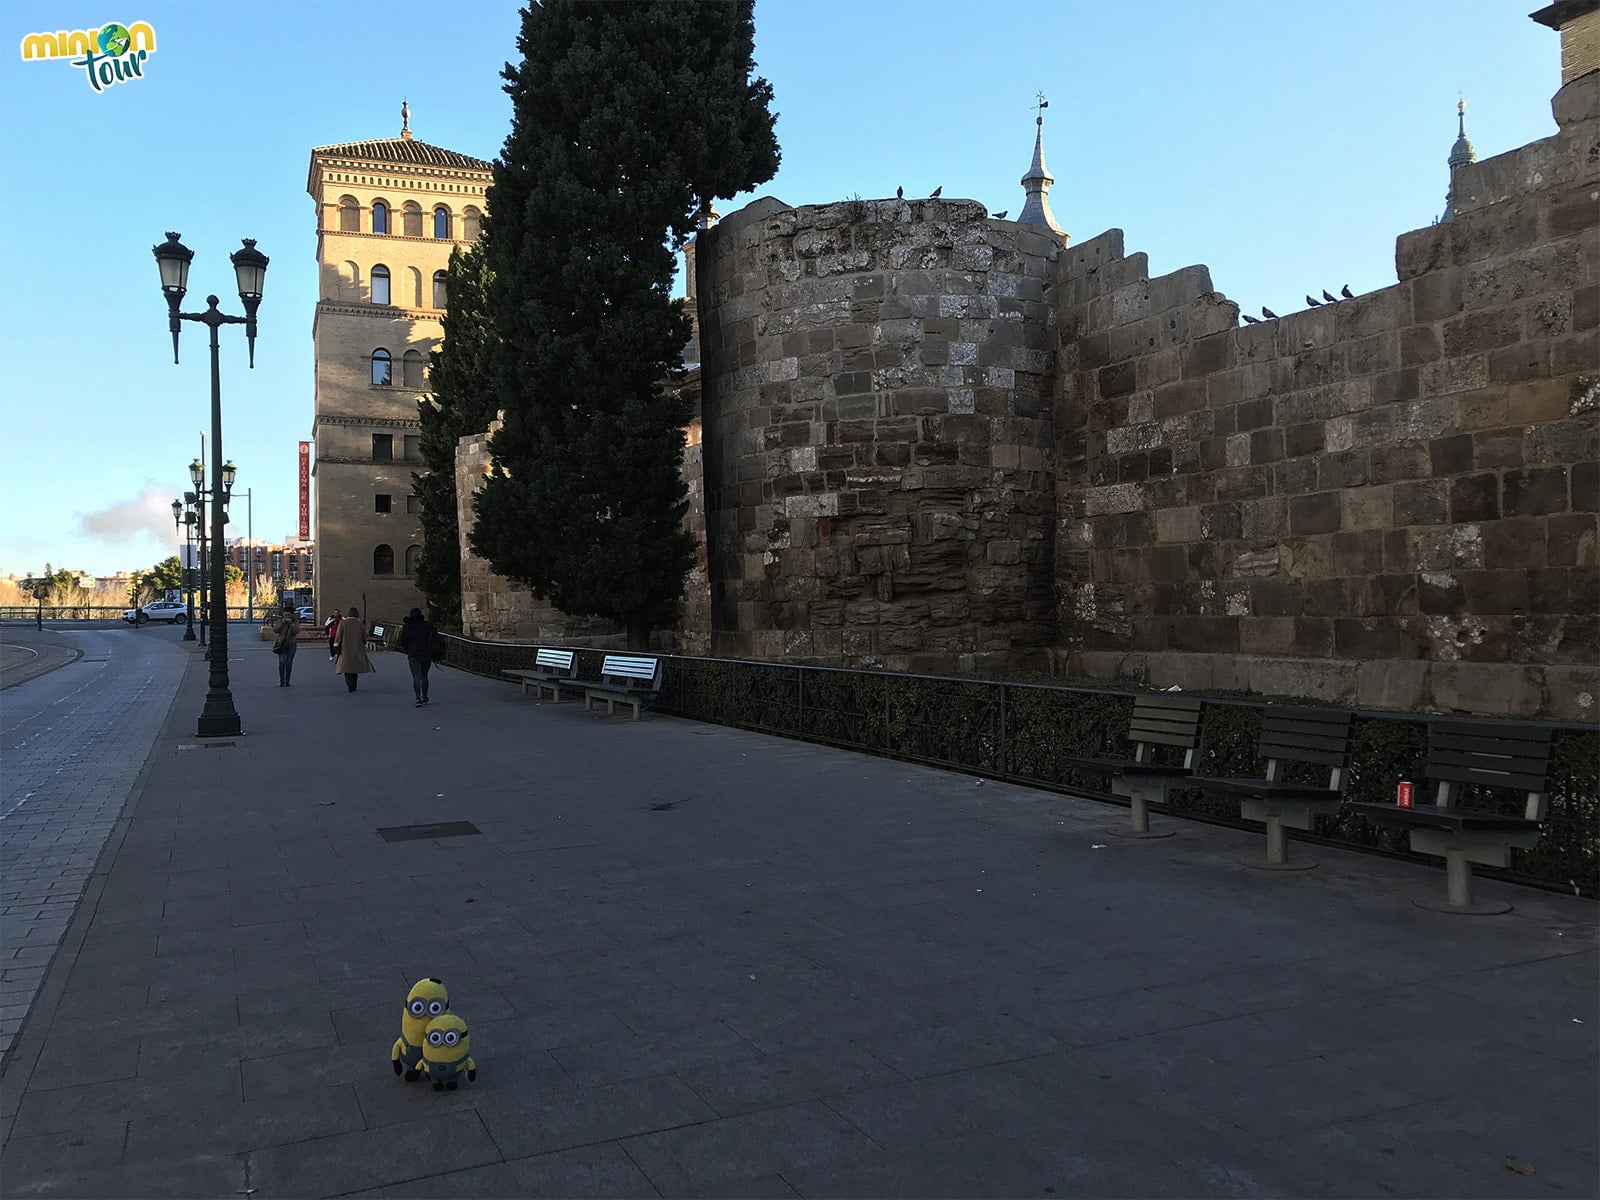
(1029, 732)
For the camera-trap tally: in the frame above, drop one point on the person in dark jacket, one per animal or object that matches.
(416, 643)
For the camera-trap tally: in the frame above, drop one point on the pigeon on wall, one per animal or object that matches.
(1249, 320)
(1001, 215)
(1268, 313)
(1329, 297)
(1313, 301)
(934, 195)
(899, 193)
(1347, 293)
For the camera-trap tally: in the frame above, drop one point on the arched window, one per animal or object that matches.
(383, 560)
(380, 217)
(414, 286)
(473, 220)
(349, 215)
(380, 284)
(382, 368)
(441, 222)
(412, 554)
(440, 296)
(413, 219)
(411, 369)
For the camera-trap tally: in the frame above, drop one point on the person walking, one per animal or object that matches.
(351, 644)
(331, 628)
(416, 641)
(286, 633)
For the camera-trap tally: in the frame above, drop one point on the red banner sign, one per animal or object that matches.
(305, 491)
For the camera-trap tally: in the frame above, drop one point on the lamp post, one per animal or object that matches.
(183, 518)
(197, 501)
(218, 718)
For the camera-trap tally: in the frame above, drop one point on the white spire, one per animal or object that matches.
(1036, 211)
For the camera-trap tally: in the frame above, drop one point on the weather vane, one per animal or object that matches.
(1043, 104)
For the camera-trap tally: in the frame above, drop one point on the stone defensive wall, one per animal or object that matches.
(938, 442)
(495, 609)
(1387, 501)
(879, 459)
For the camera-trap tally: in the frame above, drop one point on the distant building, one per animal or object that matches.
(293, 562)
(389, 212)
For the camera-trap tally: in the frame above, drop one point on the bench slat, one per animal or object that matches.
(1501, 779)
(560, 660)
(1491, 734)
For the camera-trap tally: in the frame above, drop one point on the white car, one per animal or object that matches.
(174, 611)
(305, 613)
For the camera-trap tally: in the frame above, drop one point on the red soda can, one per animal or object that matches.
(1403, 794)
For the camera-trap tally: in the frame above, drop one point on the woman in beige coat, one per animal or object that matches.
(351, 644)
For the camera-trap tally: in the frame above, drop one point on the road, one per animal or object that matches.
(79, 711)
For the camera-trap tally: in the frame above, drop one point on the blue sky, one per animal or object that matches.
(1284, 143)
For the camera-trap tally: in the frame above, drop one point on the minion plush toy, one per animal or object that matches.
(426, 1001)
(446, 1052)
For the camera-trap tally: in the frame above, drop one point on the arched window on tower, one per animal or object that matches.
(441, 222)
(411, 369)
(412, 554)
(383, 560)
(412, 217)
(473, 221)
(382, 368)
(380, 284)
(440, 296)
(380, 217)
(349, 215)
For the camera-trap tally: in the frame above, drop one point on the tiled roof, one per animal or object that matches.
(406, 150)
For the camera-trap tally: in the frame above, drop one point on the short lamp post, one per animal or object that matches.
(183, 521)
(218, 718)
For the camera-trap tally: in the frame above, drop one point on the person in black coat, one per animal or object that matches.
(417, 636)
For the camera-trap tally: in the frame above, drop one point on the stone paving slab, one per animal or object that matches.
(702, 962)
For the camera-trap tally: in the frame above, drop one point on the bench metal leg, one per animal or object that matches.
(1278, 850)
(1139, 807)
(1458, 890)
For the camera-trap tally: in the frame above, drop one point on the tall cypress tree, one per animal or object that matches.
(463, 402)
(628, 118)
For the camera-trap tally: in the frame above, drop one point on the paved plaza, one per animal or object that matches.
(696, 961)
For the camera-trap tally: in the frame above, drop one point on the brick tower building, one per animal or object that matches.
(388, 214)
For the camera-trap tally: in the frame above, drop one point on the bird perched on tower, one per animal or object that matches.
(1312, 301)
(899, 193)
(1347, 293)
(1268, 313)
(1249, 320)
(1001, 215)
(934, 195)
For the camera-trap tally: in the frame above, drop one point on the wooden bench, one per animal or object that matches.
(551, 669)
(1508, 757)
(1157, 721)
(627, 679)
(1307, 735)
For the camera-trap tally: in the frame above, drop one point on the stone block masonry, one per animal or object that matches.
(879, 460)
(938, 442)
(1389, 501)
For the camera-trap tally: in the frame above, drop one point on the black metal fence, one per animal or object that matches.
(1027, 733)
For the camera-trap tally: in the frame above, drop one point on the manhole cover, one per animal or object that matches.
(408, 833)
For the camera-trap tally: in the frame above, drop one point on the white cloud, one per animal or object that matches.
(149, 513)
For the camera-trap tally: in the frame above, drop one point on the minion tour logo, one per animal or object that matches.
(109, 55)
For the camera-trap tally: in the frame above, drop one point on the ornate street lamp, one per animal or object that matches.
(218, 718)
(183, 519)
(197, 501)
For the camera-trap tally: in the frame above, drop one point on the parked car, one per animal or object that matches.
(305, 613)
(173, 611)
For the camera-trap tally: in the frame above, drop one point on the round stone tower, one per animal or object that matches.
(878, 440)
